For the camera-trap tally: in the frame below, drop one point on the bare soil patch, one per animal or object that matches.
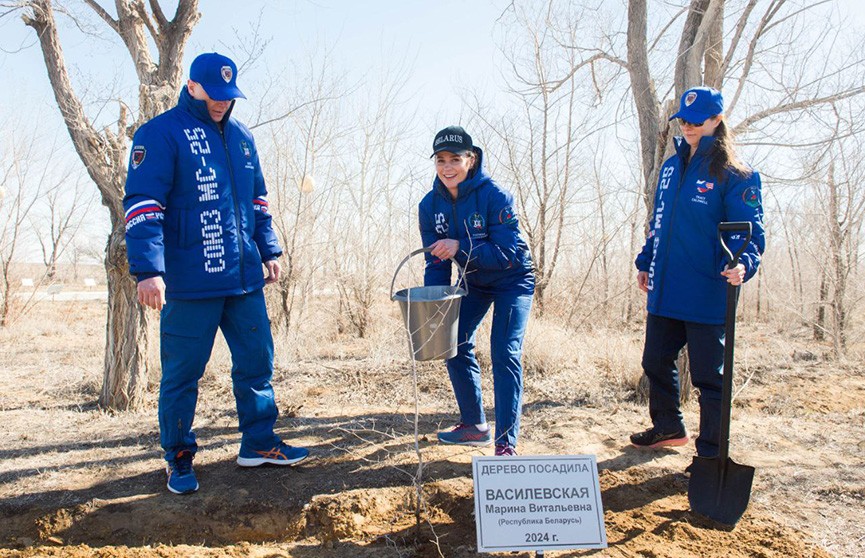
(77, 481)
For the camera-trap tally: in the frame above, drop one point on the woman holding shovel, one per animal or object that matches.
(468, 218)
(683, 270)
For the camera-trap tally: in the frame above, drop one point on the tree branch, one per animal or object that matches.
(771, 11)
(100, 11)
(86, 140)
(744, 125)
(145, 18)
(158, 15)
(737, 36)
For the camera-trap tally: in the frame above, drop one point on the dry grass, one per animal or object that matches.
(798, 416)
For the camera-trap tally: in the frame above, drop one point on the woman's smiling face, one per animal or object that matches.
(452, 168)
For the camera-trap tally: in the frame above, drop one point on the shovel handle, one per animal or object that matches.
(460, 277)
(730, 332)
(734, 226)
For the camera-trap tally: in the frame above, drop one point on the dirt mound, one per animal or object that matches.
(645, 516)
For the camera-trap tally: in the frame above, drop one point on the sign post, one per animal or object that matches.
(538, 503)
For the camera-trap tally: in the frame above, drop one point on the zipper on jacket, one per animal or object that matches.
(670, 231)
(237, 222)
(455, 235)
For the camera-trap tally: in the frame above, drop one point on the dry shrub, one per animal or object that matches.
(589, 367)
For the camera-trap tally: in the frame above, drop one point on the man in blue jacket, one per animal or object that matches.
(197, 233)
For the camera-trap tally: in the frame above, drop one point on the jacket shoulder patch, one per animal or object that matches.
(507, 216)
(137, 156)
(751, 196)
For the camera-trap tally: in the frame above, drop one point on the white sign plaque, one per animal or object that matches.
(538, 503)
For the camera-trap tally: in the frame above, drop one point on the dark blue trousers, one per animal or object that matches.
(510, 316)
(188, 329)
(665, 337)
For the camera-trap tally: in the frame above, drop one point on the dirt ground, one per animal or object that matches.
(78, 481)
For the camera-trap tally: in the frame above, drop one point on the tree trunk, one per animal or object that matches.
(685, 385)
(104, 155)
(839, 291)
(645, 97)
(692, 46)
(713, 59)
(820, 322)
(540, 298)
(126, 340)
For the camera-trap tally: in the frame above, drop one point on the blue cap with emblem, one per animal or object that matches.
(698, 104)
(217, 74)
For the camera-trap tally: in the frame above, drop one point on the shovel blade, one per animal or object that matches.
(720, 489)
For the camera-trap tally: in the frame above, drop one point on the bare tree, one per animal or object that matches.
(65, 213)
(30, 176)
(369, 178)
(301, 153)
(19, 192)
(839, 229)
(537, 145)
(103, 152)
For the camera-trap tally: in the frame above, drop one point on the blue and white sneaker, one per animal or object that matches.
(181, 477)
(466, 435)
(283, 454)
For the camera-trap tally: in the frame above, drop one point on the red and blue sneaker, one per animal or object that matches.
(505, 450)
(283, 454)
(181, 477)
(466, 435)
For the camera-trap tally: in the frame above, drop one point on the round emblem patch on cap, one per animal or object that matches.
(226, 73)
(690, 98)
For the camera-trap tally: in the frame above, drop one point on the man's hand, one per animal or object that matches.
(445, 249)
(735, 276)
(643, 281)
(274, 270)
(151, 292)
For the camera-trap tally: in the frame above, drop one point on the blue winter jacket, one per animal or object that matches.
(196, 205)
(482, 218)
(682, 253)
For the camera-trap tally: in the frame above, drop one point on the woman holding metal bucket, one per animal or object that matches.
(467, 217)
(683, 270)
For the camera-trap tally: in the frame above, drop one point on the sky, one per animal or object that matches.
(447, 44)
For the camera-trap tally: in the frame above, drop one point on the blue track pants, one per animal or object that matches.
(510, 316)
(188, 329)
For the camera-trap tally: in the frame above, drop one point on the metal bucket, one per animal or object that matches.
(431, 315)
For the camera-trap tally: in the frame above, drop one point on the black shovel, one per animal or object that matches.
(719, 487)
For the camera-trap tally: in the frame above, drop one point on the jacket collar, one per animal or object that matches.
(468, 185)
(198, 109)
(683, 149)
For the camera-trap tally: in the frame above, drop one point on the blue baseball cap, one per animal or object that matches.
(217, 74)
(453, 139)
(698, 104)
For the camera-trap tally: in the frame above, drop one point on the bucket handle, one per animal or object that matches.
(460, 277)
